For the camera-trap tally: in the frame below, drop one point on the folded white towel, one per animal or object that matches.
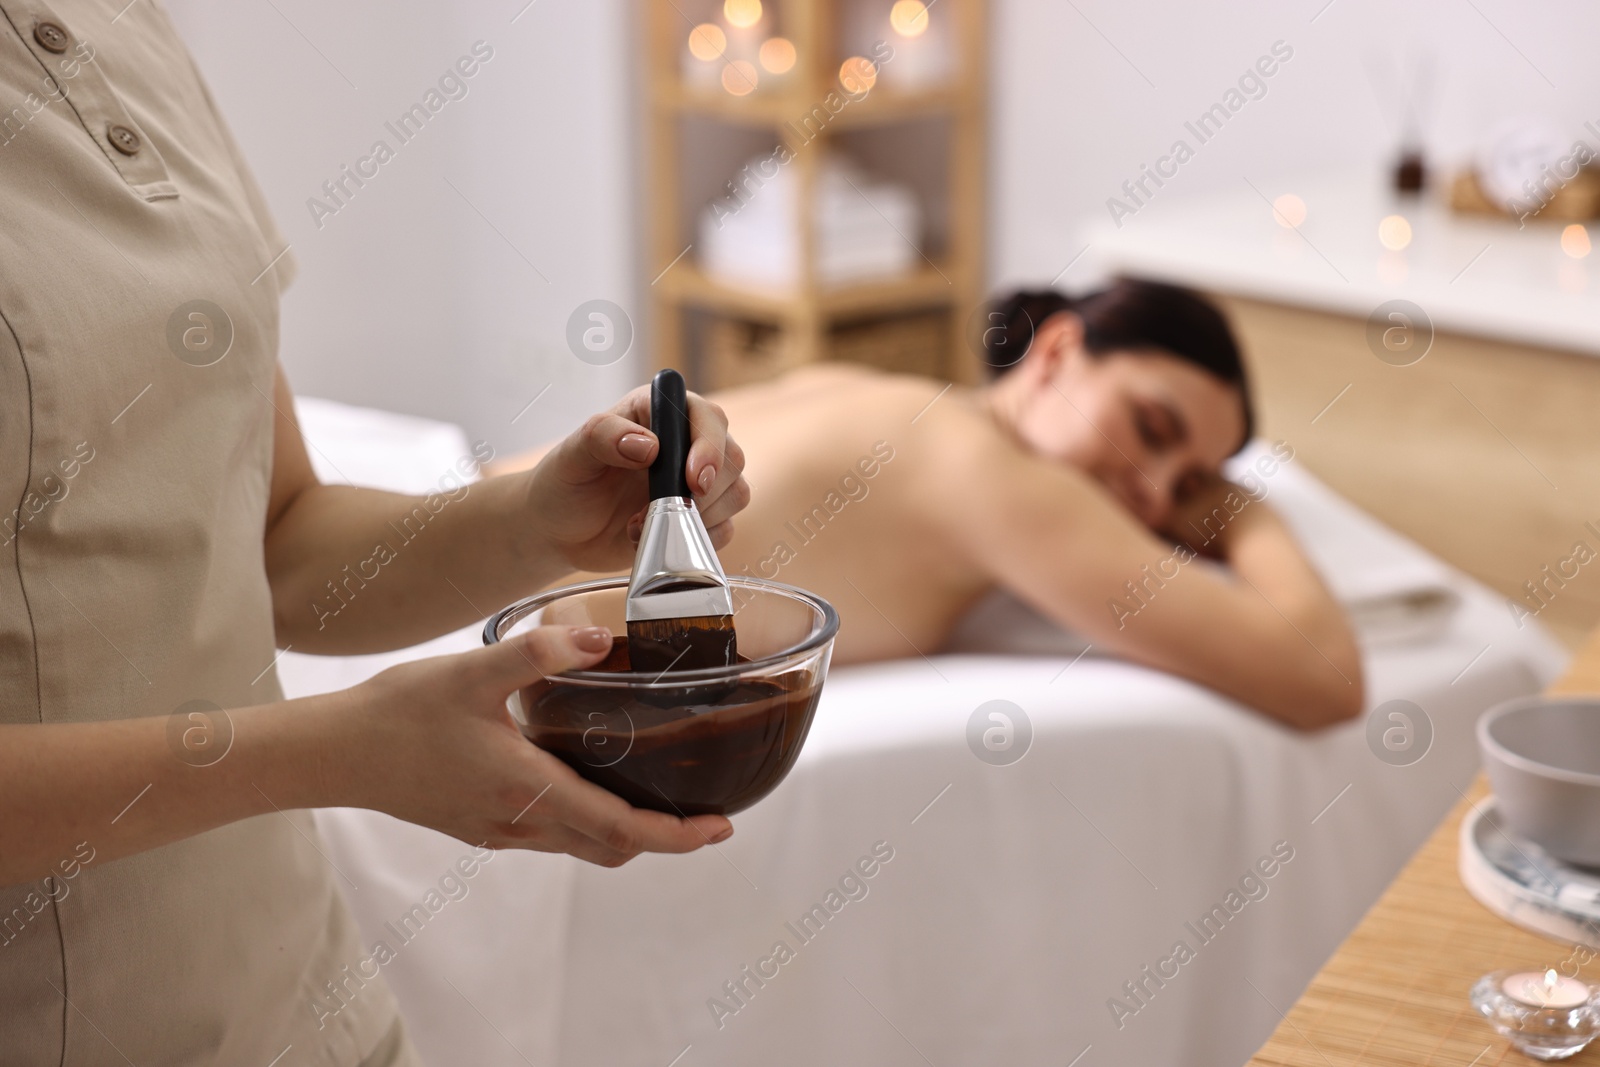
(862, 228)
(1391, 587)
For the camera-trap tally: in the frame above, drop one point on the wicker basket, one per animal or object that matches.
(1577, 201)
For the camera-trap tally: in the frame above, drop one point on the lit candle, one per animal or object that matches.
(1547, 990)
(1575, 241)
(742, 13)
(1544, 1015)
(740, 77)
(922, 47)
(777, 55)
(703, 61)
(909, 18)
(1289, 210)
(858, 75)
(1394, 232)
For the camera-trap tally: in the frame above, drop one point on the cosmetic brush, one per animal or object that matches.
(679, 611)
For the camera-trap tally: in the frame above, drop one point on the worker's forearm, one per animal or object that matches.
(93, 792)
(360, 570)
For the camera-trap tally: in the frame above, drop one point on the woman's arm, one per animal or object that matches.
(359, 570)
(1269, 634)
(430, 742)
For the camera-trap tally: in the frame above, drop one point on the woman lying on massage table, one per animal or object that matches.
(1084, 479)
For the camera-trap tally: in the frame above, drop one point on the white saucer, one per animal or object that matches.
(1522, 883)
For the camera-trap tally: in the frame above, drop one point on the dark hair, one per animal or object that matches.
(1131, 315)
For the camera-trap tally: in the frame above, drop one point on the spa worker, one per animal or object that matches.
(166, 898)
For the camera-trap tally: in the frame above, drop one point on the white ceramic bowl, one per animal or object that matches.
(1542, 755)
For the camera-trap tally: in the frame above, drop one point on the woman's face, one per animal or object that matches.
(1145, 424)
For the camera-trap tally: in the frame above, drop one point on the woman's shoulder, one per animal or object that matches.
(960, 446)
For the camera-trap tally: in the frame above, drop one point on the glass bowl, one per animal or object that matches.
(687, 742)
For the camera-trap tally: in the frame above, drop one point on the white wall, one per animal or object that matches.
(1072, 119)
(407, 298)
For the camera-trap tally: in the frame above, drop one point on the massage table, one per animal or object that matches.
(1029, 912)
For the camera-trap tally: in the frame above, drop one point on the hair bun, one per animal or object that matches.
(1010, 324)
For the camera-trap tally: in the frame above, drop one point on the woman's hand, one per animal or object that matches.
(438, 748)
(587, 496)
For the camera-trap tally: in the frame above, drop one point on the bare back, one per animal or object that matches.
(838, 459)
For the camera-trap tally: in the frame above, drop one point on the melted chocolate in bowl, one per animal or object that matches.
(697, 749)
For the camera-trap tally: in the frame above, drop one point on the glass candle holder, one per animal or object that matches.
(1545, 1016)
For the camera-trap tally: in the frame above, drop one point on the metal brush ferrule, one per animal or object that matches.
(676, 574)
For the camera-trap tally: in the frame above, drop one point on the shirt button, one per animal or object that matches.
(123, 139)
(51, 37)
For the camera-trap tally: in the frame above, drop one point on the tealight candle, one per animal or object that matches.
(1394, 232)
(1547, 990)
(704, 58)
(1575, 241)
(1545, 1015)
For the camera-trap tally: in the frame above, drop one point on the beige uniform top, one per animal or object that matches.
(135, 462)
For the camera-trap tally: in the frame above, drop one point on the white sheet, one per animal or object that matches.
(1019, 899)
(514, 911)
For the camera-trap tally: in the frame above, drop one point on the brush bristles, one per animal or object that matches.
(687, 644)
(663, 629)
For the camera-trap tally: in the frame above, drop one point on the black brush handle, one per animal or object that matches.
(669, 421)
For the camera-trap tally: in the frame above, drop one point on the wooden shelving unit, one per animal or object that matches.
(947, 280)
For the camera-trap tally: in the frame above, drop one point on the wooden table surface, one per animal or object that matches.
(1395, 994)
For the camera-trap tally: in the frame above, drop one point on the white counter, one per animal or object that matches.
(1471, 275)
